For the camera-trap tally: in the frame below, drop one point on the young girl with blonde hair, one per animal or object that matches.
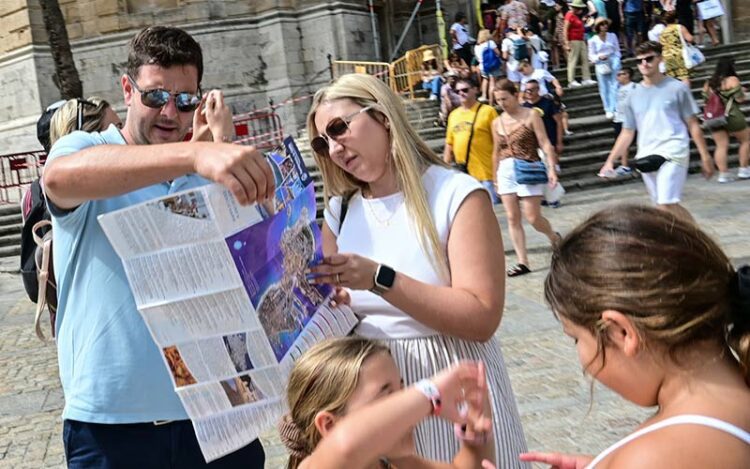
(348, 408)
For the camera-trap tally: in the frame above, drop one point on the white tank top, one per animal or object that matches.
(676, 420)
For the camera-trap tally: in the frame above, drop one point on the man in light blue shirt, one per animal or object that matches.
(120, 406)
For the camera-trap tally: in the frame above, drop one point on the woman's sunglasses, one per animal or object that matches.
(81, 114)
(337, 127)
(157, 98)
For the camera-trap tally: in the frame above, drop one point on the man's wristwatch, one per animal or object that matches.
(383, 279)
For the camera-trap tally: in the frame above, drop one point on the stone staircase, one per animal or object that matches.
(10, 237)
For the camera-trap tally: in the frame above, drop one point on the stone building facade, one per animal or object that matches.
(254, 50)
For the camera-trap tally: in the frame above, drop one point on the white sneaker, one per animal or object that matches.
(744, 173)
(568, 132)
(725, 177)
(623, 171)
(589, 82)
(574, 84)
(433, 97)
(609, 115)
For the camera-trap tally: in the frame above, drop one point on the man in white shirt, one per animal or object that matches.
(462, 40)
(541, 76)
(663, 112)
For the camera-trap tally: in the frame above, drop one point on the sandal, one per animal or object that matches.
(518, 269)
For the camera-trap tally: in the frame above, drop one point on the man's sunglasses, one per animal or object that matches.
(531, 90)
(157, 98)
(462, 90)
(337, 127)
(648, 59)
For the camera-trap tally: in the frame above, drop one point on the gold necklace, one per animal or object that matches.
(378, 220)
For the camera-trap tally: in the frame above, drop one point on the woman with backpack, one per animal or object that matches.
(723, 94)
(488, 56)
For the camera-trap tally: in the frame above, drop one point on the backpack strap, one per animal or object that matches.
(344, 208)
(43, 274)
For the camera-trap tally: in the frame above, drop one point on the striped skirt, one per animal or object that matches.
(422, 357)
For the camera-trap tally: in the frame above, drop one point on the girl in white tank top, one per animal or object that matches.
(658, 314)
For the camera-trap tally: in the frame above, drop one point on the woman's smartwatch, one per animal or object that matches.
(383, 279)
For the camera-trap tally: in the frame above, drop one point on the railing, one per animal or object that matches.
(380, 70)
(262, 129)
(17, 171)
(407, 70)
(403, 75)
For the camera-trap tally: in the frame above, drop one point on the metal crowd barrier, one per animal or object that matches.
(17, 171)
(403, 75)
(261, 129)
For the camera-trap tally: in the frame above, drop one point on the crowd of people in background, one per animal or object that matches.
(510, 60)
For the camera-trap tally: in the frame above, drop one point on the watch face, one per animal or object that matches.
(386, 276)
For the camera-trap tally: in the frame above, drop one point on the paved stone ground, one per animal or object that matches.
(552, 394)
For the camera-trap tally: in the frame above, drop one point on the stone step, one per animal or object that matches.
(10, 218)
(591, 102)
(10, 240)
(10, 229)
(9, 209)
(10, 251)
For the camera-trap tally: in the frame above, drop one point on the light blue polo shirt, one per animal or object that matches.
(111, 369)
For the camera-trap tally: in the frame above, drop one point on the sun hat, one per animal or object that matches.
(600, 21)
(428, 55)
(578, 4)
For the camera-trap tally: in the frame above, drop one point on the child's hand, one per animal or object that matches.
(478, 427)
(456, 384)
(558, 460)
(341, 296)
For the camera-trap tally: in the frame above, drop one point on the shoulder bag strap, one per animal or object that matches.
(728, 107)
(507, 135)
(471, 136)
(43, 275)
(682, 39)
(344, 209)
